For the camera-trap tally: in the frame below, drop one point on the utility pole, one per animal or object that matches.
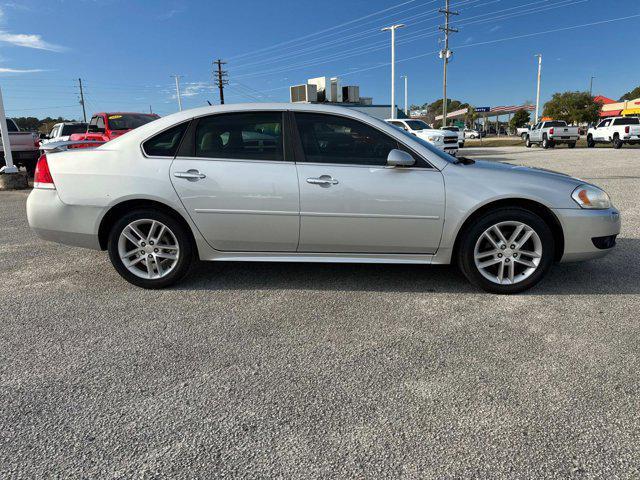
(392, 29)
(406, 105)
(445, 55)
(591, 86)
(84, 112)
(220, 79)
(177, 79)
(539, 55)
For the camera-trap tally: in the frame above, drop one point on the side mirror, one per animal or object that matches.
(400, 158)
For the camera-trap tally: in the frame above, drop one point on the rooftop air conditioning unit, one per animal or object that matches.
(351, 94)
(366, 101)
(303, 93)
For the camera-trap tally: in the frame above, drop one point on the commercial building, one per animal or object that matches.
(329, 90)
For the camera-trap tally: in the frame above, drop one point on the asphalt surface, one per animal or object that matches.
(334, 371)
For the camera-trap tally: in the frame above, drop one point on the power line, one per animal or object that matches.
(296, 40)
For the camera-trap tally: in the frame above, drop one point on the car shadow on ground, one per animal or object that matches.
(615, 274)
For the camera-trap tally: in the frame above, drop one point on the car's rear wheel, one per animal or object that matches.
(150, 249)
(506, 251)
(571, 144)
(527, 142)
(545, 142)
(617, 143)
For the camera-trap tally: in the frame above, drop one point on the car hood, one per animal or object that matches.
(531, 173)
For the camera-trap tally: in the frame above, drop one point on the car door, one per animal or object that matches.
(237, 183)
(351, 202)
(602, 132)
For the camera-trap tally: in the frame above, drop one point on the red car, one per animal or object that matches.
(107, 126)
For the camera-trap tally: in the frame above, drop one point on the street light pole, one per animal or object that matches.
(406, 103)
(591, 86)
(539, 55)
(392, 29)
(177, 77)
(6, 141)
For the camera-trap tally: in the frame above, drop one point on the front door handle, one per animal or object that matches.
(191, 175)
(322, 180)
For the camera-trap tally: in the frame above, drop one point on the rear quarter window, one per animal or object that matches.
(165, 144)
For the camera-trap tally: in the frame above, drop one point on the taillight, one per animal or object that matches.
(42, 177)
(551, 131)
(626, 129)
(36, 142)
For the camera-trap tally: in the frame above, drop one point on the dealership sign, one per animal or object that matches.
(482, 109)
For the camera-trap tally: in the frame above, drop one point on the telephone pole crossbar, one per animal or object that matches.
(445, 54)
(220, 79)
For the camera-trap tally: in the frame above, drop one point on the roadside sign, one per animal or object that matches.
(482, 109)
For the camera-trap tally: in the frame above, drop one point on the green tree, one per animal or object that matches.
(519, 119)
(471, 116)
(572, 107)
(635, 93)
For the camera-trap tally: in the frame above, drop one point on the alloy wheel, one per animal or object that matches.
(148, 248)
(508, 252)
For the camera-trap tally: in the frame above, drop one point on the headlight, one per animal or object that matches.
(434, 139)
(588, 196)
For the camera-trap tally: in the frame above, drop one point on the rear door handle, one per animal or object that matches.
(322, 180)
(191, 175)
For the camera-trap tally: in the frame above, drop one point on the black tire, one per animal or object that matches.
(571, 144)
(617, 143)
(545, 142)
(469, 237)
(527, 142)
(184, 242)
(590, 142)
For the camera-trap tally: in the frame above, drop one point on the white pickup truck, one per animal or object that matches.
(552, 132)
(441, 139)
(24, 147)
(615, 130)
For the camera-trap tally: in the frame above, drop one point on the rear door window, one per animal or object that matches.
(246, 136)
(627, 121)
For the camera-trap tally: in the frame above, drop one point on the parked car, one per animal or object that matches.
(615, 130)
(552, 132)
(61, 132)
(104, 127)
(24, 147)
(329, 184)
(522, 132)
(471, 133)
(458, 131)
(442, 140)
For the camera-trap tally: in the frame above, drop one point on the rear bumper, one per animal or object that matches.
(564, 139)
(581, 227)
(53, 220)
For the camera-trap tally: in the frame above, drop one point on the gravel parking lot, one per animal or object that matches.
(307, 371)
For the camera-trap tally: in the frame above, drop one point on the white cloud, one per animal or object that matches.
(20, 70)
(29, 41)
(494, 28)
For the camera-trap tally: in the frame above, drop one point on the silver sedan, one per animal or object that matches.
(310, 183)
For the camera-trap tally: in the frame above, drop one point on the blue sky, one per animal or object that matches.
(126, 50)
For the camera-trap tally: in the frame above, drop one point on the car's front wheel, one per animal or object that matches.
(150, 249)
(527, 142)
(506, 251)
(590, 142)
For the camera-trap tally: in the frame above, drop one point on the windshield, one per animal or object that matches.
(451, 129)
(443, 155)
(128, 121)
(417, 125)
(73, 128)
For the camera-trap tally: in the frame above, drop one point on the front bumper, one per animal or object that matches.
(581, 226)
(53, 220)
